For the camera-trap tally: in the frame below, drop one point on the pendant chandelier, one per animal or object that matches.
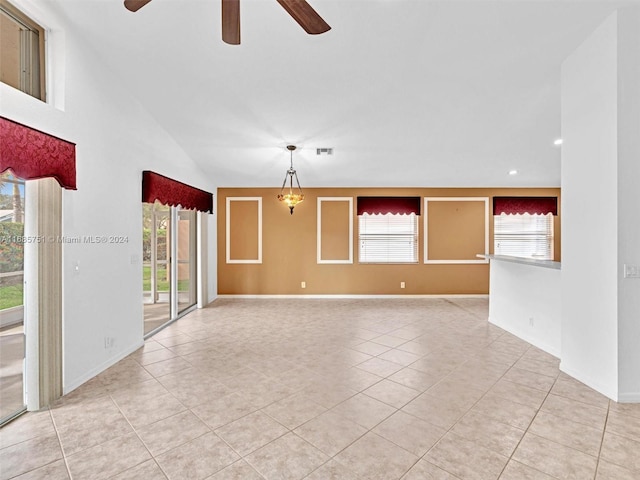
(291, 199)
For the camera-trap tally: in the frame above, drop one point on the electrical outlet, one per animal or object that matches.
(303, 284)
(108, 342)
(531, 321)
(401, 284)
(631, 271)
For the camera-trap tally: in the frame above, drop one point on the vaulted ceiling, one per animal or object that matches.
(407, 93)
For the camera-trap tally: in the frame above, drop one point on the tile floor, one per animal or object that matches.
(330, 389)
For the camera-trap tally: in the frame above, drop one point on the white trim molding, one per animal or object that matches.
(456, 199)
(319, 259)
(228, 229)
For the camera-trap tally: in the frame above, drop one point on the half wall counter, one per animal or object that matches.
(525, 299)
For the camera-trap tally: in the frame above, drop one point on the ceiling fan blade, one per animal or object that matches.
(231, 21)
(306, 16)
(135, 5)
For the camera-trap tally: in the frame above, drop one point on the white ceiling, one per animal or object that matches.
(408, 93)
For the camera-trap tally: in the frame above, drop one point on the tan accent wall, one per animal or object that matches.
(334, 234)
(290, 248)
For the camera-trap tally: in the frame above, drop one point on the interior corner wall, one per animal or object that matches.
(589, 176)
(629, 202)
(116, 140)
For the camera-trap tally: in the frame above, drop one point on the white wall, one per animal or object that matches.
(116, 139)
(525, 300)
(629, 202)
(589, 192)
(600, 176)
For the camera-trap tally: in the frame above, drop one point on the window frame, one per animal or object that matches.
(29, 23)
(416, 241)
(549, 237)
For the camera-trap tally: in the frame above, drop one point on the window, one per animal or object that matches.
(21, 51)
(524, 235)
(388, 238)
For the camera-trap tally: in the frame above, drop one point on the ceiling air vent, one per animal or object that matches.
(324, 151)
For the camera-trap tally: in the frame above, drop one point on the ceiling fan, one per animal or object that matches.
(300, 10)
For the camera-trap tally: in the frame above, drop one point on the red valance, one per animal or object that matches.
(384, 205)
(32, 154)
(530, 205)
(171, 192)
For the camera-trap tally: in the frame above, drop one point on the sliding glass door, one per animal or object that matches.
(12, 339)
(169, 288)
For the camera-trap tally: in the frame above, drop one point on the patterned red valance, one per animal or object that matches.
(174, 193)
(384, 205)
(530, 205)
(32, 154)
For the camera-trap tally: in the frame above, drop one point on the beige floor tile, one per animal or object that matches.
(466, 459)
(29, 455)
(409, 432)
(610, 471)
(522, 394)
(223, 410)
(482, 383)
(108, 459)
(489, 433)
(240, 470)
(373, 457)
(621, 451)
(25, 427)
(391, 393)
(424, 470)
(575, 411)
(364, 410)
(149, 411)
(148, 470)
(287, 458)
(437, 411)
(458, 392)
(328, 394)
(380, 367)
(415, 379)
(171, 432)
(294, 411)
(518, 471)
(54, 471)
(330, 432)
(568, 433)
(354, 379)
(530, 379)
(197, 459)
(249, 433)
(630, 409)
(570, 388)
(400, 357)
(168, 366)
(623, 425)
(536, 366)
(389, 341)
(554, 459)
(332, 470)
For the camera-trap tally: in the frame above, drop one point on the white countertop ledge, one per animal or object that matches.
(523, 260)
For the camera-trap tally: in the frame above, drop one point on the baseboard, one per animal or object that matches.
(633, 397)
(597, 386)
(353, 296)
(71, 386)
(527, 338)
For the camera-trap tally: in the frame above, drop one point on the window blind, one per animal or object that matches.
(524, 235)
(388, 238)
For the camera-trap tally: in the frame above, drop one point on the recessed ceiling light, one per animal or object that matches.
(513, 172)
(557, 142)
